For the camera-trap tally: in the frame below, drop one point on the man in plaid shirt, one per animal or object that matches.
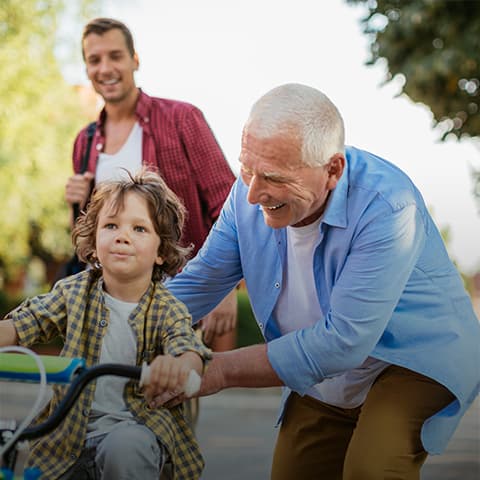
(134, 129)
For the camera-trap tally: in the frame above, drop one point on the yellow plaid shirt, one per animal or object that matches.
(75, 310)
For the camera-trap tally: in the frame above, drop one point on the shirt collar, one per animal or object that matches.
(143, 108)
(144, 301)
(142, 111)
(336, 212)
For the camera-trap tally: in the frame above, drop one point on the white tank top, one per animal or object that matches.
(298, 307)
(129, 157)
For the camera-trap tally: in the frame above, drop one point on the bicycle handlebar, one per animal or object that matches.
(82, 376)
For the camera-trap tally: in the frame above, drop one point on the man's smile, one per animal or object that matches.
(112, 81)
(274, 207)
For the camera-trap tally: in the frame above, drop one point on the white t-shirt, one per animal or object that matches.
(298, 307)
(129, 157)
(119, 346)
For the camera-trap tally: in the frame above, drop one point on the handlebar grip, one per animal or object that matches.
(192, 385)
(21, 367)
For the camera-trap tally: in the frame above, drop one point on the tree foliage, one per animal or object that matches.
(39, 117)
(435, 46)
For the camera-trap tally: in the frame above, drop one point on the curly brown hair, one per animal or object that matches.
(167, 214)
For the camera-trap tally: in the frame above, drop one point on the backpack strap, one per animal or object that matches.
(84, 164)
(90, 133)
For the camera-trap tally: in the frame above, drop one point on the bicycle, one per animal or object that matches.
(25, 366)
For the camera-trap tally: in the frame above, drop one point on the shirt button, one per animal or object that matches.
(146, 119)
(103, 323)
(85, 412)
(99, 146)
(277, 285)
(260, 326)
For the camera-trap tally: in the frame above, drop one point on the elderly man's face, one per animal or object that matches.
(288, 191)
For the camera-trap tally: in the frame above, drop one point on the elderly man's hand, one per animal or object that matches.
(222, 319)
(213, 380)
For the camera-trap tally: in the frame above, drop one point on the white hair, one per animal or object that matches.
(303, 111)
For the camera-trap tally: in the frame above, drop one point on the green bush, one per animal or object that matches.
(248, 332)
(7, 303)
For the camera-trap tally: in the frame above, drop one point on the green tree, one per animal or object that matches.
(434, 46)
(39, 116)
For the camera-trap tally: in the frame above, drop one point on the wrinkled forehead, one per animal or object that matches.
(282, 149)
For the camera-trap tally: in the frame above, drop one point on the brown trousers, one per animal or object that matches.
(380, 440)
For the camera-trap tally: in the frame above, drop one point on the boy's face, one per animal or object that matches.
(127, 243)
(110, 66)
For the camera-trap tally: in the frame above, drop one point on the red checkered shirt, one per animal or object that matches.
(178, 142)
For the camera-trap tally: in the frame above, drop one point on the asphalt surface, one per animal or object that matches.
(237, 436)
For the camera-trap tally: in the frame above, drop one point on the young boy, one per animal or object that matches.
(119, 311)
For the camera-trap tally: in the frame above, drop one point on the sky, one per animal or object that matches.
(222, 56)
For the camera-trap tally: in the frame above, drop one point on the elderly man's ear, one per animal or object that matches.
(335, 169)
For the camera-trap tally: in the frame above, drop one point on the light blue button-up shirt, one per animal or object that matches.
(385, 284)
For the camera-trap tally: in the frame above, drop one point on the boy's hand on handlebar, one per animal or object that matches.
(213, 380)
(168, 375)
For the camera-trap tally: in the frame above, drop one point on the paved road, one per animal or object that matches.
(237, 436)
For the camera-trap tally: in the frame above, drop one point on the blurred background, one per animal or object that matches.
(404, 74)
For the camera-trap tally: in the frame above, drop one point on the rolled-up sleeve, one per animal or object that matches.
(39, 319)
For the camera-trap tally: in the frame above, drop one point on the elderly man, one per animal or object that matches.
(366, 320)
